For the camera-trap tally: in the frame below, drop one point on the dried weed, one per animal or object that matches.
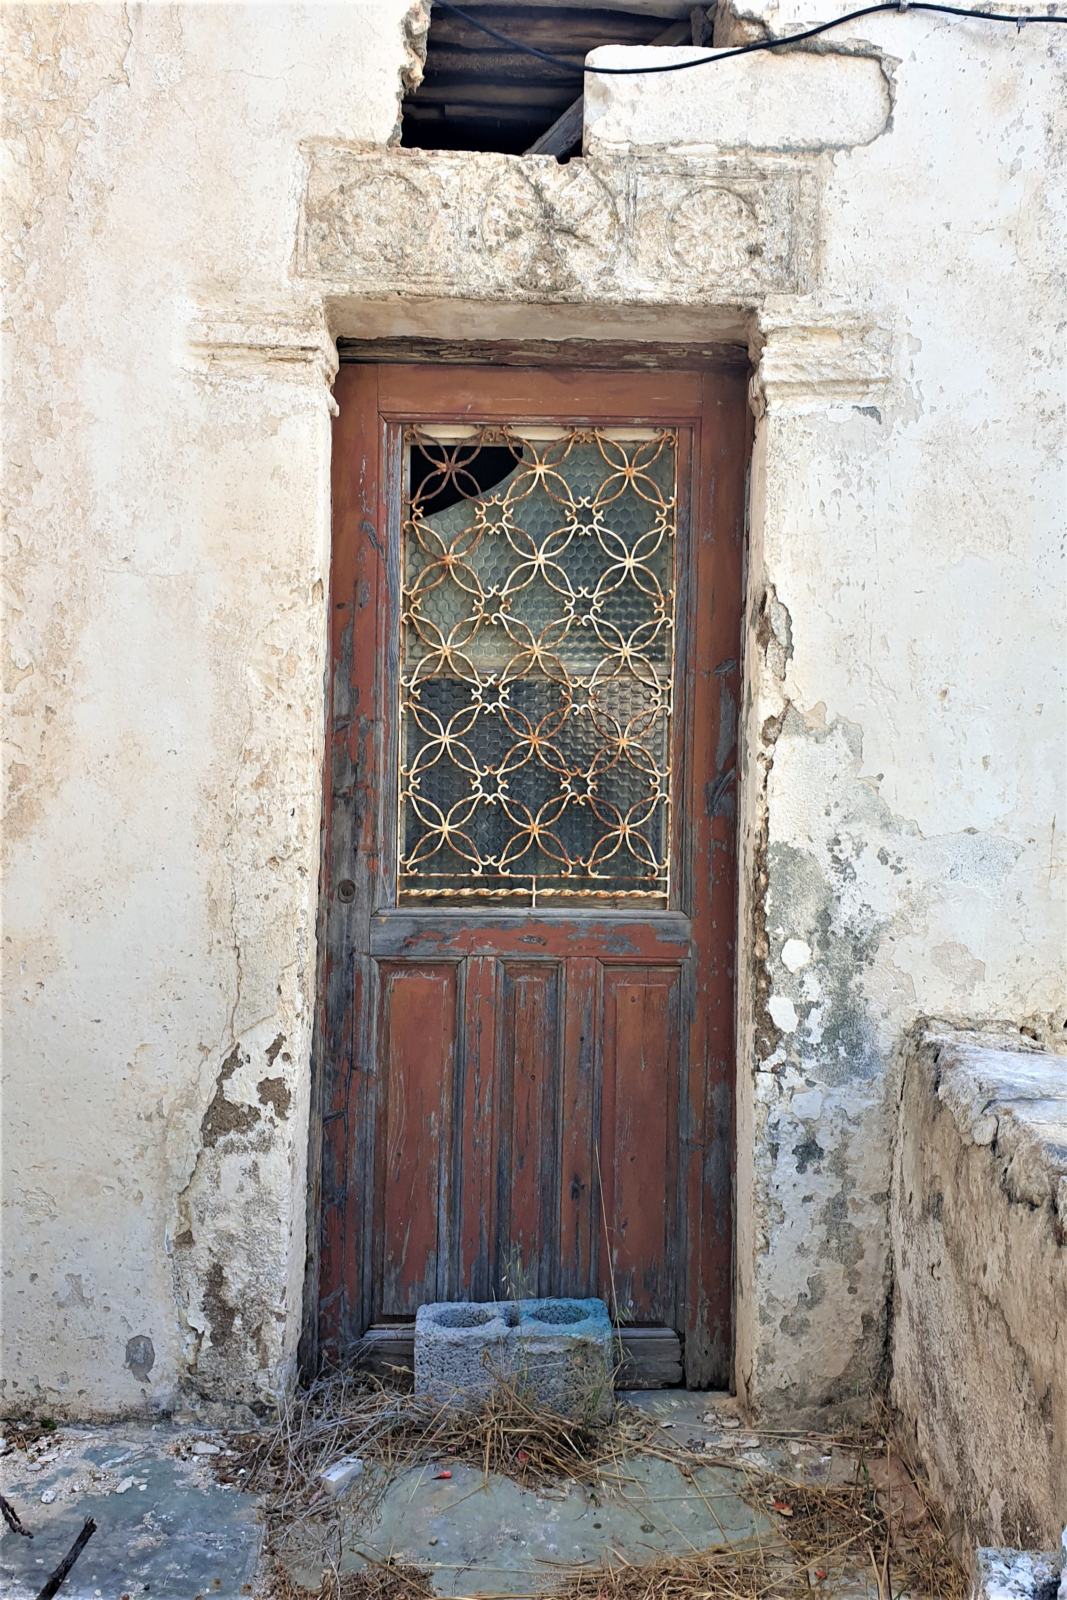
(867, 1520)
(385, 1580)
(346, 1413)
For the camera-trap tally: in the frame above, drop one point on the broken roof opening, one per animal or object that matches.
(476, 94)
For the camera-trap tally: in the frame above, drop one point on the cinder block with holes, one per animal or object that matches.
(557, 1354)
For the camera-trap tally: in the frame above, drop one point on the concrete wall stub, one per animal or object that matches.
(1005, 1574)
(979, 1228)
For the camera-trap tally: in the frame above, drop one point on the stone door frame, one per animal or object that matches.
(410, 245)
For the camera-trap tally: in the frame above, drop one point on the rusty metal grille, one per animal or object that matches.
(537, 663)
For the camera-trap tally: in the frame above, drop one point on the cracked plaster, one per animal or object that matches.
(166, 571)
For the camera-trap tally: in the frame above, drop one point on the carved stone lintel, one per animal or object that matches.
(615, 230)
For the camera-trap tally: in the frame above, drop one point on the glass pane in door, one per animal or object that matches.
(537, 664)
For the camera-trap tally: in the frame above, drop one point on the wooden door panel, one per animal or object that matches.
(447, 393)
(579, 1215)
(418, 1031)
(533, 1099)
(639, 1140)
(528, 1068)
(472, 1263)
(450, 935)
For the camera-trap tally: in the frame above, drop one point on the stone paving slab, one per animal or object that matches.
(169, 1531)
(493, 1537)
(165, 1528)
(481, 1538)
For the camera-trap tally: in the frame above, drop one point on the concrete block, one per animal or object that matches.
(567, 1356)
(558, 1353)
(462, 1351)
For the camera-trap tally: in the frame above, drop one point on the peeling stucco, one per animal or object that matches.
(223, 1116)
(166, 566)
(839, 901)
(140, 1356)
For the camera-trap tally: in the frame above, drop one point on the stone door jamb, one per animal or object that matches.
(422, 245)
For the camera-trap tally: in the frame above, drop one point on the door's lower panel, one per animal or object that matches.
(526, 1247)
(418, 1033)
(528, 1133)
(639, 1134)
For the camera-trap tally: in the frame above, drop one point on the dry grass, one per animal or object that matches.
(353, 1414)
(891, 1543)
(868, 1519)
(724, 1573)
(385, 1580)
(858, 1527)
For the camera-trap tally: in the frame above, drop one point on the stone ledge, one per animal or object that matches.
(1014, 1101)
(256, 340)
(812, 356)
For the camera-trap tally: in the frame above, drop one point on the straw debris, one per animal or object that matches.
(346, 1413)
(856, 1527)
(864, 1519)
(725, 1573)
(385, 1580)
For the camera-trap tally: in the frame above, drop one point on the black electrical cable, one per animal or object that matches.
(1019, 19)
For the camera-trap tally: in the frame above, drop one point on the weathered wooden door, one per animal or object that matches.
(526, 1041)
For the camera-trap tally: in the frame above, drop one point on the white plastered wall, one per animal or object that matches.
(166, 567)
(166, 572)
(904, 728)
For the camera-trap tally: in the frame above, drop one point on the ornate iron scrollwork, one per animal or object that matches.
(537, 664)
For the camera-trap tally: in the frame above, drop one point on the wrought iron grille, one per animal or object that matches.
(537, 664)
